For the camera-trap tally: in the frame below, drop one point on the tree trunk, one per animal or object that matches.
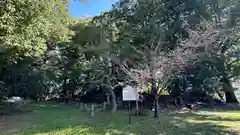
(64, 92)
(156, 107)
(154, 90)
(229, 92)
(230, 97)
(114, 100)
(137, 108)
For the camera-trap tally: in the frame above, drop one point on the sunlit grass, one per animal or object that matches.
(50, 119)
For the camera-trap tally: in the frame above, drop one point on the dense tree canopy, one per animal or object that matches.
(189, 48)
(28, 28)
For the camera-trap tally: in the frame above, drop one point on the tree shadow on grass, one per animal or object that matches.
(201, 117)
(208, 128)
(208, 123)
(62, 119)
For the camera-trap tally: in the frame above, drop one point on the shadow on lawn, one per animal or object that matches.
(207, 124)
(65, 120)
(207, 117)
(208, 128)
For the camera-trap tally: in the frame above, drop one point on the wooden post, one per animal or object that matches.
(92, 110)
(85, 106)
(108, 99)
(81, 105)
(104, 105)
(76, 103)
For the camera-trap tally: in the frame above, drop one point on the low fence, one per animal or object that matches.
(92, 108)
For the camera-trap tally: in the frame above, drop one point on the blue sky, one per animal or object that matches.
(91, 8)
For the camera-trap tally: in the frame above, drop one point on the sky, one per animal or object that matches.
(91, 8)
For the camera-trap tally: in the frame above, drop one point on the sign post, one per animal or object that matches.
(129, 94)
(129, 112)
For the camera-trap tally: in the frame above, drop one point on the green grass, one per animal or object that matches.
(51, 119)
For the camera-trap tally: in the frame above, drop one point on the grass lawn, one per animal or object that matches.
(51, 119)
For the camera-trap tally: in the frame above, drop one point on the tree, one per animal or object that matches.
(28, 29)
(211, 55)
(149, 31)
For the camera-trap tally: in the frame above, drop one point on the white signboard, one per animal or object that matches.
(130, 93)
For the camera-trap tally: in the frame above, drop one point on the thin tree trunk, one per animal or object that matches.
(64, 92)
(156, 107)
(137, 108)
(114, 100)
(154, 90)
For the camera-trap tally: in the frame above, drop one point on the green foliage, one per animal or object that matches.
(28, 25)
(25, 82)
(29, 28)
